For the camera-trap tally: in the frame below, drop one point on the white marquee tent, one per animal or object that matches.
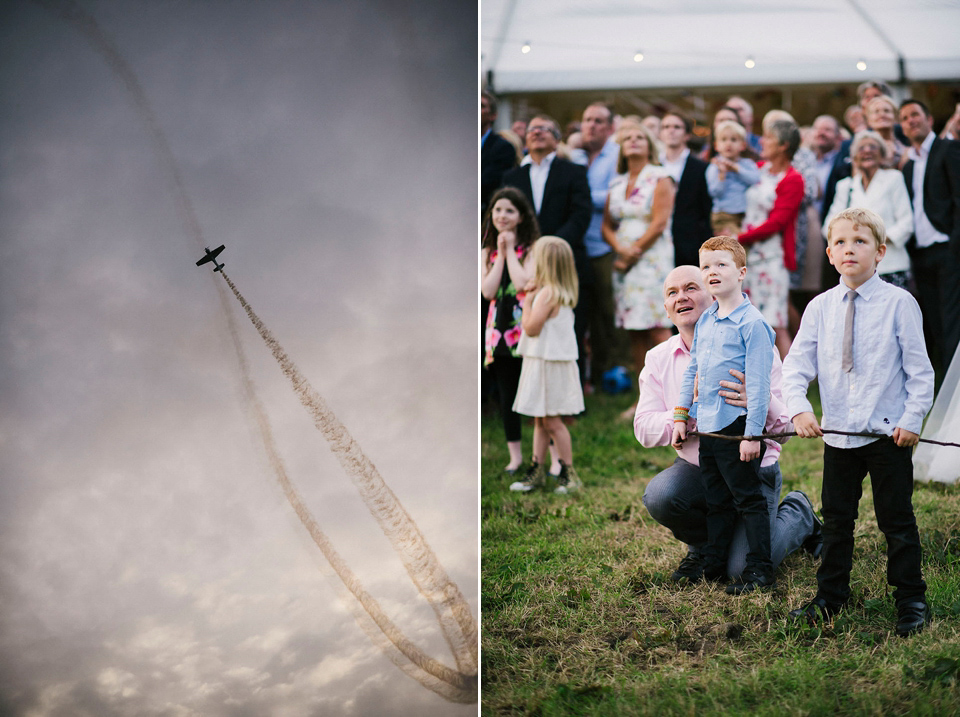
(550, 45)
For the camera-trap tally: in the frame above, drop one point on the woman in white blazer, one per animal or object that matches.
(883, 191)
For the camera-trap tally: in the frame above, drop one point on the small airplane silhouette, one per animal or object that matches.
(212, 256)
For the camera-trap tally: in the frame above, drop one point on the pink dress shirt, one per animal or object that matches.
(660, 382)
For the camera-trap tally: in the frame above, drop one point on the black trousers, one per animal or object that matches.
(732, 489)
(506, 372)
(938, 293)
(891, 475)
(581, 320)
(601, 316)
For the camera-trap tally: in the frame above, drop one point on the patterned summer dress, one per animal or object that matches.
(637, 292)
(502, 330)
(768, 280)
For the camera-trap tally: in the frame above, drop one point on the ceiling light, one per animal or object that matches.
(750, 64)
(862, 66)
(638, 57)
(526, 48)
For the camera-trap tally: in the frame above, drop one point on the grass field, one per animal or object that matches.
(579, 616)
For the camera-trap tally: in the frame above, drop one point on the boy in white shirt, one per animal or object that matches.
(863, 341)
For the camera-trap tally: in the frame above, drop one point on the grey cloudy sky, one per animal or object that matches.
(149, 563)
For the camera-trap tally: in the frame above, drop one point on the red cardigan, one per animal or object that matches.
(783, 217)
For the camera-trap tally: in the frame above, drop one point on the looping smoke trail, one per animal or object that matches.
(454, 686)
(453, 614)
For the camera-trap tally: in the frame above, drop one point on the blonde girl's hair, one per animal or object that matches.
(553, 259)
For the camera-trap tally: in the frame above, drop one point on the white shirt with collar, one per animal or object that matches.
(923, 229)
(538, 177)
(675, 168)
(891, 383)
(825, 166)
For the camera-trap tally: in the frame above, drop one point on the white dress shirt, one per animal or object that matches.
(675, 168)
(891, 383)
(926, 234)
(538, 177)
(887, 196)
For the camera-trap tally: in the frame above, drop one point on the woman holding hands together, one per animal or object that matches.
(636, 225)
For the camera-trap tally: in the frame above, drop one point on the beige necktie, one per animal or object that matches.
(848, 333)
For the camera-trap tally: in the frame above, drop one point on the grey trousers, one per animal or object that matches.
(675, 498)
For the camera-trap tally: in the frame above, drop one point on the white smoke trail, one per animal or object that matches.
(453, 613)
(452, 685)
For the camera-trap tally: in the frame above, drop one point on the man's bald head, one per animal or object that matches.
(684, 296)
(682, 274)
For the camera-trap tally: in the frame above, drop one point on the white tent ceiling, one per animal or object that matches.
(592, 44)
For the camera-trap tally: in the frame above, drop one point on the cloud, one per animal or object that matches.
(149, 565)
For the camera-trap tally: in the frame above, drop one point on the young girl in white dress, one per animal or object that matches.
(549, 380)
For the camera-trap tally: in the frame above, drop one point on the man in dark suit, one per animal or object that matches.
(933, 181)
(496, 154)
(560, 194)
(691, 207)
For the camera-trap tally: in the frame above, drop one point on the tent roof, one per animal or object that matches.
(591, 44)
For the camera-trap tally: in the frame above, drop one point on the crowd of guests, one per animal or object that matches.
(635, 205)
(633, 201)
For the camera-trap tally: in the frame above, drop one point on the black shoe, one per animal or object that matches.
(714, 572)
(690, 569)
(912, 617)
(748, 582)
(813, 545)
(695, 569)
(815, 611)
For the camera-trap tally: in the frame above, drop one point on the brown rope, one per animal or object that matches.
(775, 436)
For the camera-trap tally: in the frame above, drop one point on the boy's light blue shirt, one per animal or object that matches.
(891, 383)
(743, 341)
(730, 195)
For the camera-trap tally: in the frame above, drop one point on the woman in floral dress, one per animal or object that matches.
(635, 225)
(509, 231)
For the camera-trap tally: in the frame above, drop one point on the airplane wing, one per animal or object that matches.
(211, 255)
